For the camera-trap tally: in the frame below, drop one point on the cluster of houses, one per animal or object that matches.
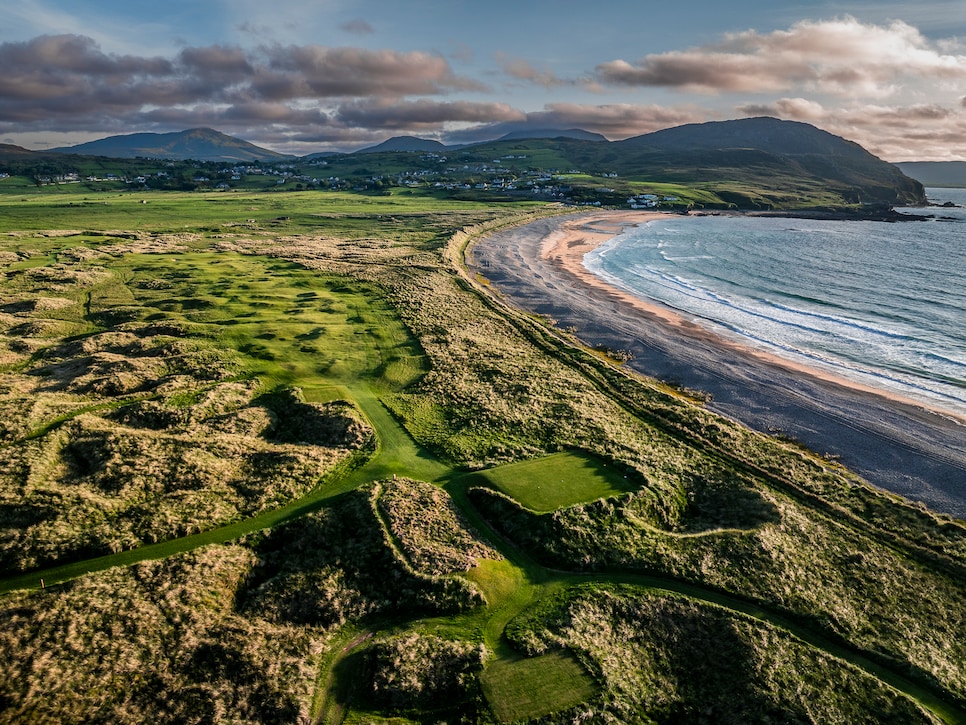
(649, 201)
(500, 175)
(69, 178)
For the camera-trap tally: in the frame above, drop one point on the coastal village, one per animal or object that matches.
(510, 176)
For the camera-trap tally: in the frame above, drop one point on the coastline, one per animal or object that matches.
(567, 246)
(897, 444)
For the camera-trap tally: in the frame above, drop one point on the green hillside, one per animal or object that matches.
(748, 164)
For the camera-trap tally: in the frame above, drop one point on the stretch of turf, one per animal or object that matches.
(520, 689)
(330, 336)
(559, 480)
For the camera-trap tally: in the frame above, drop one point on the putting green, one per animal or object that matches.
(557, 481)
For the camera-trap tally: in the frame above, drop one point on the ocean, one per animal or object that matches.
(880, 303)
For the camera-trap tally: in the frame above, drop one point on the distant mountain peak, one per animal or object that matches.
(201, 144)
(575, 133)
(792, 148)
(761, 132)
(404, 143)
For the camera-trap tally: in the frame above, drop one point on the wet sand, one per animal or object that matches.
(896, 444)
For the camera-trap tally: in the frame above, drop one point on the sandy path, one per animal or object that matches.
(895, 444)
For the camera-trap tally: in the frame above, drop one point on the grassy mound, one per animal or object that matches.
(232, 633)
(848, 584)
(152, 424)
(340, 564)
(413, 672)
(663, 658)
(157, 642)
(430, 531)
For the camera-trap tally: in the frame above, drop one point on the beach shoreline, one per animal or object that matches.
(900, 445)
(568, 246)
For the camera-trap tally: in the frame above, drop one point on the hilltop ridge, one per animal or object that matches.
(201, 144)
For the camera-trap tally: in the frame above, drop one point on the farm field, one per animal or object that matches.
(278, 458)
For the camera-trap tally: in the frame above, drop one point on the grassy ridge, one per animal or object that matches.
(177, 353)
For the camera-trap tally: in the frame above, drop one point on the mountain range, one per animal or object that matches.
(790, 161)
(414, 143)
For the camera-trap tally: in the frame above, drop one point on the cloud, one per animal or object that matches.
(796, 109)
(67, 75)
(312, 71)
(216, 60)
(357, 27)
(423, 113)
(840, 57)
(912, 132)
(45, 61)
(521, 69)
(615, 121)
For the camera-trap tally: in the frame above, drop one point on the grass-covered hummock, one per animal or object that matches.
(153, 422)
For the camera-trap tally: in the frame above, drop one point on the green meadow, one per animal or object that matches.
(342, 213)
(275, 457)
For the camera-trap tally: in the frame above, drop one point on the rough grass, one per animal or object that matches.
(429, 530)
(345, 559)
(136, 430)
(157, 642)
(714, 504)
(413, 672)
(557, 481)
(151, 472)
(665, 658)
(848, 584)
(225, 634)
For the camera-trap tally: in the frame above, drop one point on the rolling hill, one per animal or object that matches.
(201, 144)
(404, 143)
(779, 155)
(752, 163)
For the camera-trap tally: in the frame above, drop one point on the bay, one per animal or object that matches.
(880, 303)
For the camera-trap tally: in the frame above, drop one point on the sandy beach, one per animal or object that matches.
(896, 444)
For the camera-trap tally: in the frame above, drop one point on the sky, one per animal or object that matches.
(301, 76)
